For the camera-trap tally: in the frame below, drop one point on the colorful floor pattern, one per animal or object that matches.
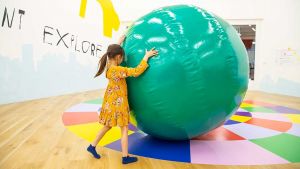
(258, 133)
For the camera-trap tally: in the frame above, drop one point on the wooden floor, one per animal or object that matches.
(32, 135)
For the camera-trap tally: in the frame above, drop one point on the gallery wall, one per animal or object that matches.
(50, 48)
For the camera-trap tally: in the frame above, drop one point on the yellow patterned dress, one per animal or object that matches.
(115, 107)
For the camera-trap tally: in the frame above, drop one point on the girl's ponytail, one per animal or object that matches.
(112, 51)
(102, 64)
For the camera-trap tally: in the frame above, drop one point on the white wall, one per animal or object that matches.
(31, 69)
(278, 30)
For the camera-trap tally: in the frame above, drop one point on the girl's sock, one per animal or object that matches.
(127, 160)
(93, 151)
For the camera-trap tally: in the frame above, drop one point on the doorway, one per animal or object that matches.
(248, 34)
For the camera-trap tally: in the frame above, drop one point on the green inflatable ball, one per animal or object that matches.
(197, 81)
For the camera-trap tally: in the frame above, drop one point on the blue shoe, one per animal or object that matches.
(127, 160)
(93, 151)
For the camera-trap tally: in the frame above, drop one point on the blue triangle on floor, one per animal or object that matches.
(147, 146)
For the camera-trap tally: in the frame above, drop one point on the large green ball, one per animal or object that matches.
(198, 79)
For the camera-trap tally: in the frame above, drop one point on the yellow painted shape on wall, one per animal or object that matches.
(82, 8)
(89, 131)
(110, 17)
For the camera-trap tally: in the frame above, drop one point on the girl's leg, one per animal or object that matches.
(100, 134)
(124, 141)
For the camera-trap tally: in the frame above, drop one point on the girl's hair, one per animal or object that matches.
(112, 51)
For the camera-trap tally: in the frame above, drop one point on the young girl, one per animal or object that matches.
(115, 108)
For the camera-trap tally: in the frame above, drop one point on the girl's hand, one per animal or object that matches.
(151, 53)
(121, 39)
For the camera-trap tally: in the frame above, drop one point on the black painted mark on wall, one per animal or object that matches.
(69, 41)
(92, 49)
(83, 42)
(61, 38)
(21, 12)
(8, 17)
(45, 33)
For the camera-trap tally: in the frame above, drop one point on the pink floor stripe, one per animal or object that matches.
(84, 107)
(249, 131)
(271, 116)
(74, 118)
(242, 152)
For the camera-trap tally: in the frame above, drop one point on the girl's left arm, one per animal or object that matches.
(121, 39)
(123, 72)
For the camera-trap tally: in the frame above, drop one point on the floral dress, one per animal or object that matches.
(115, 107)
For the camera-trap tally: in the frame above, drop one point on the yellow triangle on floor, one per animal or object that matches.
(89, 131)
(241, 119)
(295, 118)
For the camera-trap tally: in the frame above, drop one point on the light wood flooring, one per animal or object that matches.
(32, 135)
